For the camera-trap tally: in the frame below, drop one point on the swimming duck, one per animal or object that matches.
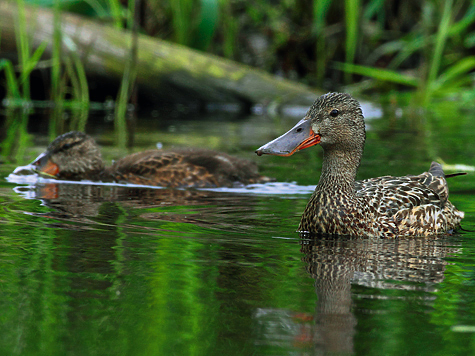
(76, 156)
(388, 207)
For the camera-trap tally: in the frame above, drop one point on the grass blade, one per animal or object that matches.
(453, 74)
(320, 10)
(385, 75)
(32, 62)
(12, 83)
(208, 22)
(351, 17)
(441, 38)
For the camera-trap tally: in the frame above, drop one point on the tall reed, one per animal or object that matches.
(230, 29)
(18, 90)
(352, 13)
(68, 79)
(80, 91)
(208, 20)
(435, 75)
(12, 85)
(27, 60)
(320, 11)
(56, 93)
(23, 46)
(129, 77)
(182, 19)
(434, 64)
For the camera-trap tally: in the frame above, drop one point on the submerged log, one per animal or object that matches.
(167, 70)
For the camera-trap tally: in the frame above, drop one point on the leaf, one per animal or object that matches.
(208, 22)
(320, 10)
(32, 62)
(12, 83)
(463, 66)
(378, 74)
(456, 72)
(372, 8)
(96, 8)
(464, 23)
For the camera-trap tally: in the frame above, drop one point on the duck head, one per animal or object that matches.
(335, 121)
(73, 155)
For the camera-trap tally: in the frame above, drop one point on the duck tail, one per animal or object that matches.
(436, 169)
(455, 174)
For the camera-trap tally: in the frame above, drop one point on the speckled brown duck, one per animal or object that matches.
(378, 207)
(76, 156)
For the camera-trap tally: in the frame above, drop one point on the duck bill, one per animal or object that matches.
(44, 165)
(297, 138)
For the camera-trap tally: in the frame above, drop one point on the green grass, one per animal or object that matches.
(436, 76)
(320, 11)
(12, 85)
(352, 14)
(68, 88)
(128, 80)
(425, 47)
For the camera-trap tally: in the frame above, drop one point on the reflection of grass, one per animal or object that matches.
(16, 140)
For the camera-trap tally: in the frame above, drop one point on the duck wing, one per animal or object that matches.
(408, 191)
(415, 204)
(185, 168)
(166, 169)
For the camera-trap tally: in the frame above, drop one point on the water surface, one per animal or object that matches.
(101, 269)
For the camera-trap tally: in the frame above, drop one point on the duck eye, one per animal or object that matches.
(67, 146)
(334, 113)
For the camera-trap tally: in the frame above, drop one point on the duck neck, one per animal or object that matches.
(339, 170)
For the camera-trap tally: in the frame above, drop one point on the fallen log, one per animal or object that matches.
(164, 69)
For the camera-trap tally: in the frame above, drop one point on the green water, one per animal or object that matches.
(108, 270)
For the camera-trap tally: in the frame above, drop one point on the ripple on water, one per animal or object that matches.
(273, 188)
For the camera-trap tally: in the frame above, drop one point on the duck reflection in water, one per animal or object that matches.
(84, 204)
(338, 265)
(351, 275)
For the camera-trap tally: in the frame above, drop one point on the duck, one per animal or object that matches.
(76, 156)
(383, 207)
